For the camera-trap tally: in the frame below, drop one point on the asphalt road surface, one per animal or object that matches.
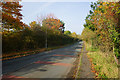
(50, 64)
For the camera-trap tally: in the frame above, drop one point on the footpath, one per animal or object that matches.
(85, 67)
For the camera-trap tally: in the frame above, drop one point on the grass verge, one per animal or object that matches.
(102, 64)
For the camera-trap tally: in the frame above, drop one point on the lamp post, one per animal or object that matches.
(46, 39)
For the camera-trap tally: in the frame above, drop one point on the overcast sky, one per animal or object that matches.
(73, 14)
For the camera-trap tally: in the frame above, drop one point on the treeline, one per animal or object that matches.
(102, 28)
(17, 36)
(33, 39)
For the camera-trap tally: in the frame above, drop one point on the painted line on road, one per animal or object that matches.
(52, 63)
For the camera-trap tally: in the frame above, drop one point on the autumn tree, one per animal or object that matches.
(104, 21)
(53, 23)
(11, 16)
(74, 34)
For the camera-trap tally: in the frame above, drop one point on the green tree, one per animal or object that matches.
(67, 32)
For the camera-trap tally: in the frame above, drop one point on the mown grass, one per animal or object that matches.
(103, 64)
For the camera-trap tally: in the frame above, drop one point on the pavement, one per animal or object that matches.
(85, 68)
(50, 64)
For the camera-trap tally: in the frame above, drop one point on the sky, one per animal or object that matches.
(73, 14)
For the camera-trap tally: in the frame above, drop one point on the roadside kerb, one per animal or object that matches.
(79, 63)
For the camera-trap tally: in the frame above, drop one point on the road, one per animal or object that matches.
(50, 64)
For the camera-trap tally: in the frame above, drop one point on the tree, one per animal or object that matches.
(74, 34)
(32, 24)
(52, 23)
(67, 32)
(11, 16)
(104, 21)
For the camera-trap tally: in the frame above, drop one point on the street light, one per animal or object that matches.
(46, 39)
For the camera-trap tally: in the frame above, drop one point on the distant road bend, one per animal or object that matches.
(50, 64)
